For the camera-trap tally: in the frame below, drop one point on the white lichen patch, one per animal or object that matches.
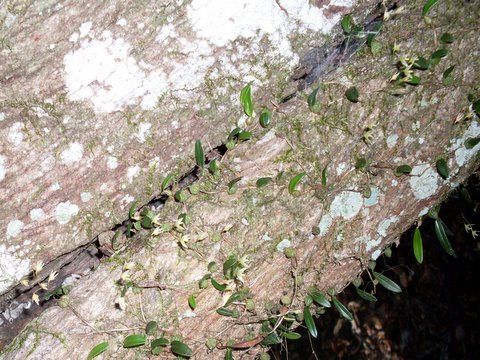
(72, 154)
(341, 168)
(373, 199)
(3, 169)
(346, 205)
(424, 211)
(325, 223)
(64, 211)
(14, 228)
(132, 172)
(376, 254)
(85, 28)
(462, 154)
(37, 214)
(392, 141)
(15, 134)
(371, 243)
(385, 224)
(86, 196)
(143, 131)
(282, 245)
(112, 162)
(55, 187)
(12, 269)
(423, 181)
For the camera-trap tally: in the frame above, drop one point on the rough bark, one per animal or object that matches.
(105, 143)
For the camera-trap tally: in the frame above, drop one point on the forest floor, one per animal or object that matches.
(435, 317)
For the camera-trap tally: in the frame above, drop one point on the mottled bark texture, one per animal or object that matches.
(99, 101)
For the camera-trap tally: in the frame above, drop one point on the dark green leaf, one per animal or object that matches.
(352, 94)
(442, 168)
(97, 350)
(234, 133)
(216, 285)
(137, 225)
(319, 297)
(440, 230)
(476, 107)
(324, 177)
(418, 245)
(403, 170)
(428, 5)
(421, 64)
(265, 118)
(263, 181)
(180, 196)
(447, 38)
(413, 80)
(366, 295)
(440, 53)
(151, 328)
(229, 354)
(199, 155)
(166, 182)
(132, 210)
(246, 100)
(192, 302)
(292, 185)
(227, 312)
(230, 263)
(181, 349)
(387, 283)
(233, 298)
(147, 222)
(157, 345)
(291, 335)
(134, 340)
(271, 339)
(342, 309)
(233, 182)
(307, 317)
(470, 143)
(213, 167)
(312, 98)
(360, 163)
(347, 23)
(447, 72)
(244, 135)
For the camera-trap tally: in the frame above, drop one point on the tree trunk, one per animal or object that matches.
(100, 102)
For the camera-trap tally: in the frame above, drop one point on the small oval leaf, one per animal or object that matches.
(216, 285)
(134, 340)
(403, 170)
(447, 38)
(246, 100)
(366, 295)
(442, 168)
(470, 143)
(157, 345)
(291, 335)
(387, 283)
(265, 118)
(151, 328)
(192, 301)
(319, 297)
(263, 181)
(418, 245)
(352, 94)
(199, 154)
(97, 350)
(181, 349)
(428, 5)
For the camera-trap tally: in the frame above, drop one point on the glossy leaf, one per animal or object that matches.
(324, 177)
(448, 71)
(347, 24)
(157, 345)
(440, 53)
(216, 285)
(428, 5)
(227, 312)
(151, 328)
(413, 80)
(166, 182)
(360, 163)
(232, 183)
(418, 245)
(447, 38)
(312, 98)
(229, 354)
(442, 168)
(352, 94)
(403, 170)
(97, 350)
(199, 154)
(291, 335)
(192, 301)
(181, 349)
(292, 185)
(233, 298)
(441, 232)
(307, 317)
(132, 341)
(244, 135)
(263, 181)
(319, 297)
(476, 107)
(265, 118)
(421, 64)
(132, 210)
(366, 295)
(387, 283)
(246, 100)
(470, 143)
(342, 309)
